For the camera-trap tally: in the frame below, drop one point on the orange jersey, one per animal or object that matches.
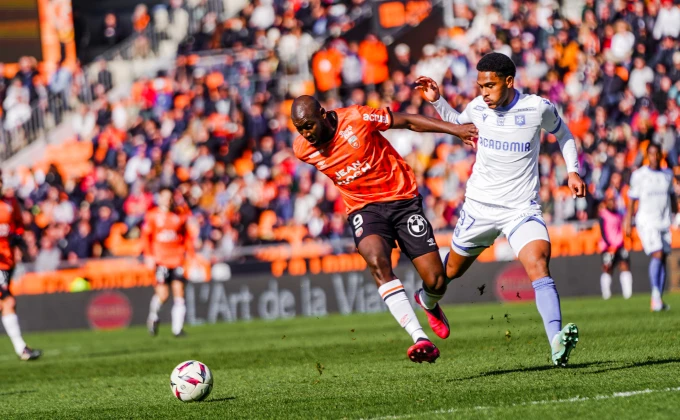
(360, 161)
(167, 238)
(11, 223)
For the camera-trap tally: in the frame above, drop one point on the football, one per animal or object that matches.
(191, 381)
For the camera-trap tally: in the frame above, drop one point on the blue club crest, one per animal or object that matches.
(520, 120)
(500, 121)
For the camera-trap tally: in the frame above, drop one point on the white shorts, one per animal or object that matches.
(480, 224)
(654, 239)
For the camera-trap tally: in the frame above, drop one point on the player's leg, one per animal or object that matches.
(376, 251)
(161, 294)
(179, 307)
(431, 270)
(416, 239)
(625, 276)
(374, 237)
(10, 320)
(606, 276)
(419, 244)
(530, 241)
(653, 244)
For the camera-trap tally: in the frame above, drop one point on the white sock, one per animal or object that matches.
(179, 309)
(154, 307)
(394, 295)
(626, 279)
(606, 285)
(11, 324)
(429, 300)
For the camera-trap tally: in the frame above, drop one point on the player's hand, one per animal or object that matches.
(428, 87)
(468, 133)
(627, 227)
(576, 185)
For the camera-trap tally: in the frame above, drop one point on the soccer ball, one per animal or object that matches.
(191, 381)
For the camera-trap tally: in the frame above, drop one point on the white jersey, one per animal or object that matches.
(506, 170)
(653, 189)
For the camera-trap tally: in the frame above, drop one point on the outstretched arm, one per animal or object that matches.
(422, 124)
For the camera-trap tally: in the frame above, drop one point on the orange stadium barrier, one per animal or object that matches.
(308, 257)
(102, 274)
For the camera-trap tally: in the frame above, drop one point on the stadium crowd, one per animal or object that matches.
(220, 136)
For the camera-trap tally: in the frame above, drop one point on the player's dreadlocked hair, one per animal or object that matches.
(499, 63)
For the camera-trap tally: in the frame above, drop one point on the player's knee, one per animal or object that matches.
(536, 266)
(435, 283)
(8, 305)
(380, 266)
(162, 294)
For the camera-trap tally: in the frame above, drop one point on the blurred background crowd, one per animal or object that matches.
(216, 128)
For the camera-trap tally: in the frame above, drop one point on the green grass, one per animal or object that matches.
(356, 367)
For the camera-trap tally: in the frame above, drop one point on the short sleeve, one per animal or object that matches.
(634, 189)
(550, 118)
(380, 119)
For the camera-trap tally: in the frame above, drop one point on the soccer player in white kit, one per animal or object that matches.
(501, 195)
(652, 187)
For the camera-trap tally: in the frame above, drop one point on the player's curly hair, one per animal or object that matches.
(499, 63)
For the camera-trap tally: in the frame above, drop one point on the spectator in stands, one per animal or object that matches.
(667, 21)
(374, 56)
(84, 123)
(104, 76)
(137, 203)
(16, 105)
(111, 32)
(140, 18)
(49, 256)
(80, 242)
(139, 165)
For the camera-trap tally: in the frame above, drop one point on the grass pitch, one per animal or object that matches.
(495, 365)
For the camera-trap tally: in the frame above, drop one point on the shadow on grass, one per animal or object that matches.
(630, 365)
(2, 394)
(219, 399)
(613, 365)
(530, 369)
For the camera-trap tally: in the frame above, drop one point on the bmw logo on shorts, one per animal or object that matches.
(417, 226)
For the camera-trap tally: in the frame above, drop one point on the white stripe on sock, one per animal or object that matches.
(395, 298)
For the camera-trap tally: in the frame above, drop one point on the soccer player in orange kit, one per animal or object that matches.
(168, 242)
(11, 228)
(381, 195)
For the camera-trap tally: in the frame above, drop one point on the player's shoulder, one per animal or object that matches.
(639, 172)
(299, 147)
(352, 112)
(531, 102)
(477, 104)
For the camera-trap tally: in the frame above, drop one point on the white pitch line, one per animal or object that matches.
(540, 402)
